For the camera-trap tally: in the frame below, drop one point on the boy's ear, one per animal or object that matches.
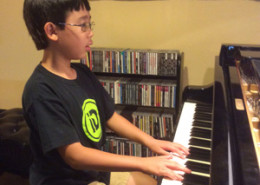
(50, 31)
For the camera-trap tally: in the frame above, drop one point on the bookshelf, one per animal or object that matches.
(145, 86)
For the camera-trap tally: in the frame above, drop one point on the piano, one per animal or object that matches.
(220, 122)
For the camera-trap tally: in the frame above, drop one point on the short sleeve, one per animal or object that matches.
(53, 124)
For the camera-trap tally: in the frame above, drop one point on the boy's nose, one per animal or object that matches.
(90, 34)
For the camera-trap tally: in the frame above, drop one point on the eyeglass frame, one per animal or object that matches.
(84, 27)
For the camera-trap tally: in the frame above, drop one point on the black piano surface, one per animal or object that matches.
(242, 163)
(233, 156)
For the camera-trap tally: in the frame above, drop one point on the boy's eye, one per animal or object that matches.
(85, 26)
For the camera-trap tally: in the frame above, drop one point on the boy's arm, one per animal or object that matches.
(124, 128)
(80, 157)
(84, 158)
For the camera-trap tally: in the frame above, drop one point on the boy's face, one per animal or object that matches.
(72, 41)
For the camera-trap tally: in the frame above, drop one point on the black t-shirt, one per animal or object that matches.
(60, 112)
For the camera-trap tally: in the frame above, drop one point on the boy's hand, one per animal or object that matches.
(162, 147)
(165, 166)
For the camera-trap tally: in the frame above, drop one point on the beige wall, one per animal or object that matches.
(195, 27)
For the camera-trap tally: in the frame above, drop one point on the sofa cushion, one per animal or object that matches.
(15, 152)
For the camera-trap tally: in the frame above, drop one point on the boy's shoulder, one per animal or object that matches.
(36, 75)
(42, 80)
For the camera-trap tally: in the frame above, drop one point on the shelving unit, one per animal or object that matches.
(145, 85)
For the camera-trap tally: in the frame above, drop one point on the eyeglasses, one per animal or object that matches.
(84, 27)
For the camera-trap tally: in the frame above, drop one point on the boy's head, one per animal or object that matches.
(38, 12)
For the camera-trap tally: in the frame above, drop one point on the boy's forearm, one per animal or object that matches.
(124, 128)
(82, 158)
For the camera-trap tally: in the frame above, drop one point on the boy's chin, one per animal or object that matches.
(78, 58)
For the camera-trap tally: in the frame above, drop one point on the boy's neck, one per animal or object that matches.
(58, 66)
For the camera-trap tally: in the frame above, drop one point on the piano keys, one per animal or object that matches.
(194, 131)
(232, 157)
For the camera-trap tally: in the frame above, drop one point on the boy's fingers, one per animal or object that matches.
(179, 177)
(184, 149)
(172, 175)
(173, 165)
(179, 154)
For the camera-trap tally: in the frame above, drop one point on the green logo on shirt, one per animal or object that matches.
(91, 121)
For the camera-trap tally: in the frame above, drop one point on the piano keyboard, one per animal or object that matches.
(194, 132)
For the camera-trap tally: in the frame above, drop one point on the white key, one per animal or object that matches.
(182, 135)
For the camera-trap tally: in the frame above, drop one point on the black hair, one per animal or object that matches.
(37, 13)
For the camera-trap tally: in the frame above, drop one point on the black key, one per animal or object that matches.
(191, 179)
(204, 108)
(198, 167)
(199, 142)
(191, 183)
(197, 132)
(199, 154)
(201, 124)
(204, 105)
(202, 116)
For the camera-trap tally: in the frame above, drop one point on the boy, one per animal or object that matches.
(67, 109)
